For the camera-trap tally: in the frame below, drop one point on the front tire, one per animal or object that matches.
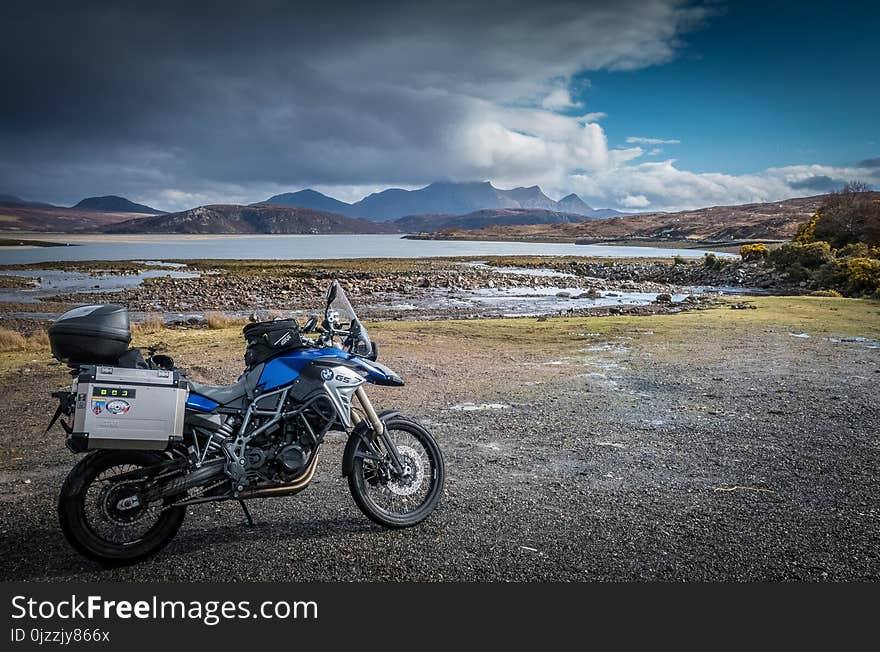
(95, 524)
(399, 502)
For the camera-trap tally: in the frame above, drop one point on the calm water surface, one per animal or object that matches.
(311, 247)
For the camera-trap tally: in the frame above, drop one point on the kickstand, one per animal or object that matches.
(247, 513)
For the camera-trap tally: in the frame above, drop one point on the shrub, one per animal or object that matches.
(712, 261)
(754, 252)
(851, 215)
(857, 249)
(826, 293)
(809, 256)
(806, 232)
(678, 260)
(858, 276)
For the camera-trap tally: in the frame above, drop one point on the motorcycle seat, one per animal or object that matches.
(221, 394)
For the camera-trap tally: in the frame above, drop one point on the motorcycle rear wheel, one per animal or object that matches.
(399, 503)
(92, 520)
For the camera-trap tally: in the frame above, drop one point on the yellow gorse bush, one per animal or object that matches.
(757, 251)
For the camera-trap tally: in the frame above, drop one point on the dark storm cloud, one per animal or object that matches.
(870, 163)
(174, 102)
(820, 183)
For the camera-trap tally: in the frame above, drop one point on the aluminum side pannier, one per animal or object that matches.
(127, 408)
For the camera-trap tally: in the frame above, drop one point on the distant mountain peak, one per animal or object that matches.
(115, 204)
(575, 204)
(309, 198)
(460, 184)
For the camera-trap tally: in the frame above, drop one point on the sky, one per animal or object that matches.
(632, 104)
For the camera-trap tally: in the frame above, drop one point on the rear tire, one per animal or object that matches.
(400, 503)
(85, 506)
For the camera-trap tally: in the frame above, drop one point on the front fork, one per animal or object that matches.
(381, 432)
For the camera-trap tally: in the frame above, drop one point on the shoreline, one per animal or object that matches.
(391, 288)
(726, 246)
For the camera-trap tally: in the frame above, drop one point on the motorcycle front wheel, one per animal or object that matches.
(399, 501)
(102, 517)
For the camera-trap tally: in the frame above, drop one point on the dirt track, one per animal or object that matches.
(712, 446)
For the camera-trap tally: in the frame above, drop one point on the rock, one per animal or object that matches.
(564, 295)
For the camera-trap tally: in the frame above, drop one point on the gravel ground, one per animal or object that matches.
(630, 455)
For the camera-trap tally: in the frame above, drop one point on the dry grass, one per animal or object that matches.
(152, 324)
(11, 340)
(218, 320)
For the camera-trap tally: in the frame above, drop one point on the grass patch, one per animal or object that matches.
(11, 340)
(218, 321)
(152, 324)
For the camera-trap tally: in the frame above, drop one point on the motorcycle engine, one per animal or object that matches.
(292, 459)
(284, 453)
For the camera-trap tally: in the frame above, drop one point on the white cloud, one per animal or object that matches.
(638, 140)
(559, 98)
(635, 201)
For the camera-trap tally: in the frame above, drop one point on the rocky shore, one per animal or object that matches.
(427, 288)
(727, 273)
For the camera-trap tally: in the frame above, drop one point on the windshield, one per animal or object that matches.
(341, 316)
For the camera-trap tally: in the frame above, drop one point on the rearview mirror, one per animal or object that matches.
(331, 292)
(309, 326)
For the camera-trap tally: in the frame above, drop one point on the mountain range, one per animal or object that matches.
(440, 198)
(441, 205)
(446, 210)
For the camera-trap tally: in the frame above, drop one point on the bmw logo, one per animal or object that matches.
(326, 374)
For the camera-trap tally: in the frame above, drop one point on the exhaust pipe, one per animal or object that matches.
(289, 488)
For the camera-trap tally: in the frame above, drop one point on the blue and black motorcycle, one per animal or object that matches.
(258, 438)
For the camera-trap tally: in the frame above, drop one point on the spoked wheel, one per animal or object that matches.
(105, 518)
(399, 500)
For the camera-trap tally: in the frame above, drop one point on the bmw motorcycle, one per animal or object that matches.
(258, 438)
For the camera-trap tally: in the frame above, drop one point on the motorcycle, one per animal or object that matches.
(257, 438)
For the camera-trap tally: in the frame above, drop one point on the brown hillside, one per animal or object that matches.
(51, 219)
(764, 221)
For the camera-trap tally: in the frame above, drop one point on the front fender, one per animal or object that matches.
(360, 431)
